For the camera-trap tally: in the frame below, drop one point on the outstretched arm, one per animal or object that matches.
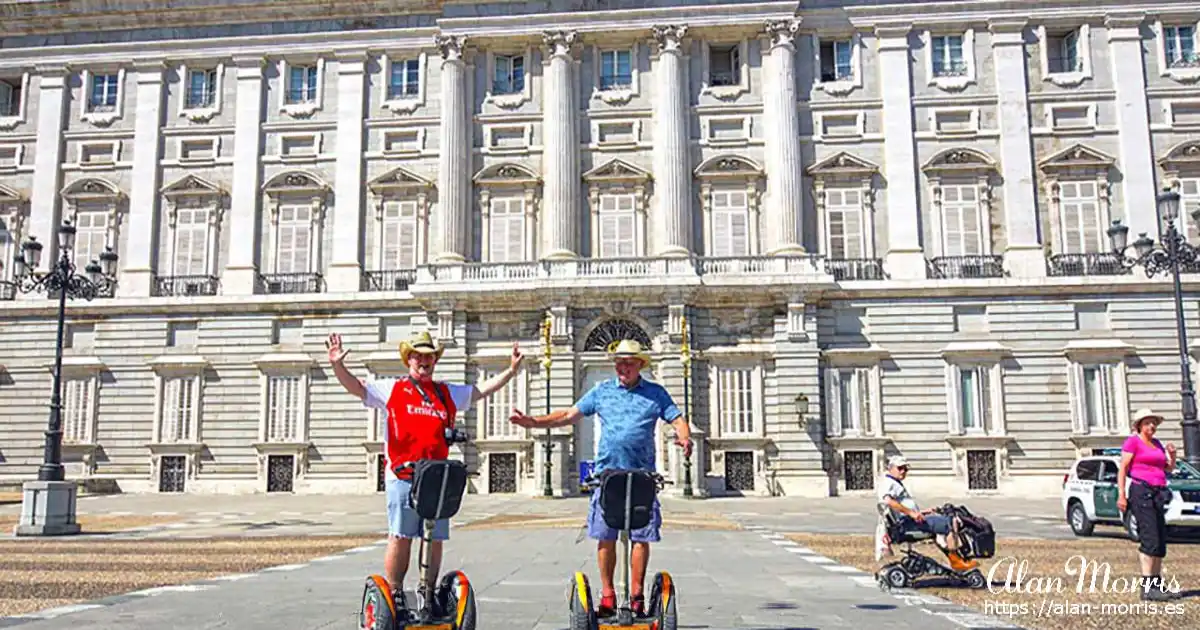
(560, 418)
(337, 359)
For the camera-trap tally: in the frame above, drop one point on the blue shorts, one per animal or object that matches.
(932, 523)
(599, 530)
(403, 521)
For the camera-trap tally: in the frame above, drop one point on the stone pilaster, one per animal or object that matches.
(138, 268)
(454, 154)
(672, 157)
(560, 160)
(241, 271)
(905, 259)
(785, 198)
(345, 267)
(1024, 256)
(44, 202)
(1136, 157)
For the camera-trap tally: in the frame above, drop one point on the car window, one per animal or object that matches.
(1088, 470)
(1108, 474)
(1184, 472)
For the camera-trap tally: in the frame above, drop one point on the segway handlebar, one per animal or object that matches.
(591, 482)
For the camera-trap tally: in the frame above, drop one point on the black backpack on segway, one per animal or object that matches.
(627, 501)
(438, 487)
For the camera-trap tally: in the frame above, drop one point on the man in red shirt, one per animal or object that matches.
(419, 411)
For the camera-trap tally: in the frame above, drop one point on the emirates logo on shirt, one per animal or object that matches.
(426, 409)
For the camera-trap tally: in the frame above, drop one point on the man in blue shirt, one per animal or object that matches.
(629, 409)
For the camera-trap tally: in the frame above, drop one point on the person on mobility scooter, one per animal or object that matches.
(960, 535)
(629, 409)
(419, 412)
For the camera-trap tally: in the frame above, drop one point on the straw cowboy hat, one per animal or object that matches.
(1144, 414)
(422, 343)
(628, 348)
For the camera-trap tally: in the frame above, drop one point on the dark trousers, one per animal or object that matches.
(1148, 504)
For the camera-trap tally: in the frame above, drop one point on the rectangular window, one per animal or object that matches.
(1098, 404)
(178, 409)
(506, 242)
(283, 408)
(947, 51)
(399, 235)
(293, 239)
(616, 220)
(616, 69)
(1189, 202)
(10, 98)
(1079, 218)
(844, 224)
(302, 84)
(103, 94)
(730, 223)
(836, 60)
(405, 79)
(510, 74)
(975, 401)
(735, 398)
(91, 235)
(8, 250)
(961, 233)
(201, 88)
(724, 65)
(850, 396)
(496, 409)
(1179, 44)
(191, 242)
(77, 408)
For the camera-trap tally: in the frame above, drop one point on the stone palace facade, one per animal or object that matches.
(884, 223)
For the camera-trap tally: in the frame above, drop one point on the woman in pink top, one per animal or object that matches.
(1146, 462)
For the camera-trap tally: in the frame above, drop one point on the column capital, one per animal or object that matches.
(669, 37)
(1125, 26)
(452, 47)
(1008, 26)
(58, 70)
(893, 36)
(782, 32)
(249, 61)
(559, 43)
(351, 59)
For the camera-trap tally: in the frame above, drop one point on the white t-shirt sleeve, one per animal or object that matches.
(461, 395)
(378, 392)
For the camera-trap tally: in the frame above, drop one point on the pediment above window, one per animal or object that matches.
(843, 165)
(975, 351)
(959, 161)
(855, 356)
(80, 365)
(192, 186)
(178, 363)
(290, 360)
(728, 167)
(398, 179)
(1183, 157)
(1097, 349)
(295, 182)
(506, 174)
(8, 196)
(616, 170)
(91, 189)
(1078, 158)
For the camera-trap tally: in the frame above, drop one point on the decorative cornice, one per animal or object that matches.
(451, 47)
(1007, 25)
(782, 32)
(559, 43)
(669, 37)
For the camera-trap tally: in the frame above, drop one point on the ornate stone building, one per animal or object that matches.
(885, 225)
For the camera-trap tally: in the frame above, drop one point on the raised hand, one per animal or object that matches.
(337, 353)
(1170, 448)
(517, 357)
(520, 419)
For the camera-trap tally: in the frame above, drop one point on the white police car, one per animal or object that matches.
(1090, 495)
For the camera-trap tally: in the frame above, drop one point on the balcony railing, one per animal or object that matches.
(1086, 265)
(1184, 61)
(967, 267)
(170, 286)
(277, 283)
(950, 70)
(389, 280)
(844, 269)
(648, 269)
(8, 291)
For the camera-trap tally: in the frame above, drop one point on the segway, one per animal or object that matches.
(437, 491)
(627, 499)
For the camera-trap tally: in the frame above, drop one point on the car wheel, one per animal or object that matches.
(1131, 526)
(1078, 519)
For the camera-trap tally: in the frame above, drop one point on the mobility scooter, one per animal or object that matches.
(977, 539)
(627, 498)
(437, 491)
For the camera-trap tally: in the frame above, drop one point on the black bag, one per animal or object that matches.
(977, 535)
(615, 486)
(438, 486)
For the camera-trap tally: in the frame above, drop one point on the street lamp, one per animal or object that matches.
(61, 277)
(685, 357)
(548, 486)
(1174, 252)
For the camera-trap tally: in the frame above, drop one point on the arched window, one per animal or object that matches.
(615, 330)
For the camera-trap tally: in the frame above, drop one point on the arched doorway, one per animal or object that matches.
(615, 330)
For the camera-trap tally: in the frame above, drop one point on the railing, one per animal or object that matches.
(185, 285)
(389, 280)
(1086, 265)
(615, 268)
(8, 291)
(1184, 61)
(277, 283)
(723, 78)
(757, 265)
(967, 267)
(843, 269)
(950, 70)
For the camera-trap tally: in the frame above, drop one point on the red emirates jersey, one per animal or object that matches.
(416, 426)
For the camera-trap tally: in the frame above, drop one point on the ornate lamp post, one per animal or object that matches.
(548, 484)
(1169, 256)
(56, 514)
(685, 357)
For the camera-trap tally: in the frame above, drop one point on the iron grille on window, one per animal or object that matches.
(502, 473)
(739, 471)
(858, 470)
(981, 470)
(280, 473)
(172, 473)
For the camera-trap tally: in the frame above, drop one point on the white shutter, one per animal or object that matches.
(498, 407)
(283, 409)
(294, 234)
(843, 218)
(952, 222)
(507, 230)
(984, 385)
(77, 402)
(1089, 216)
(400, 235)
(736, 400)
(91, 227)
(833, 408)
(1076, 394)
(862, 393)
(516, 234)
(191, 242)
(616, 226)
(1189, 202)
(179, 409)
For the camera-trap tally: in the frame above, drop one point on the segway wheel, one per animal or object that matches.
(975, 579)
(456, 600)
(662, 602)
(896, 577)
(378, 611)
(583, 613)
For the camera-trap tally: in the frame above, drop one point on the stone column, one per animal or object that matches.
(454, 154)
(560, 159)
(785, 197)
(241, 271)
(1024, 256)
(44, 202)
(345, 267)
(905, 259)
(1136, 157)
(672, 154)
(138, 259)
